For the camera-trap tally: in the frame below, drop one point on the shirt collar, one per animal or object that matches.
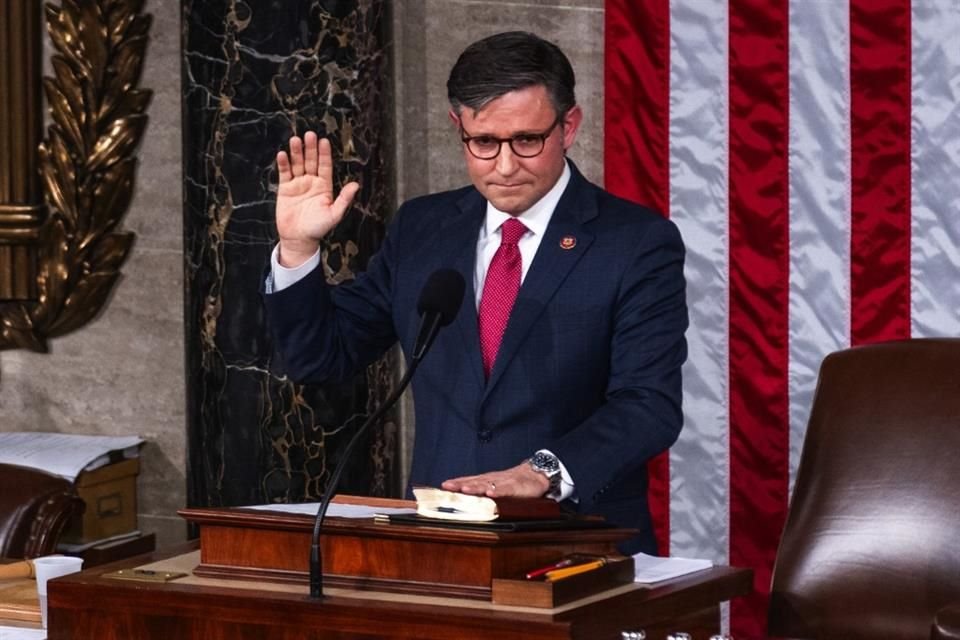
(537, 217)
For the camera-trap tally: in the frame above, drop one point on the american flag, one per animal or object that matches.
(809, 151)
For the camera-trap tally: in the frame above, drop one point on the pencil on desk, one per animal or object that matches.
(566, 572)
(542, 571)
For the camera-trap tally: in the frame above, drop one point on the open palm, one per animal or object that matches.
(306, 207)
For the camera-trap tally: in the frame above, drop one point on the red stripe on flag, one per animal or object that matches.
(880, 170)
(759, 284)
(636, 146)
(636, 100)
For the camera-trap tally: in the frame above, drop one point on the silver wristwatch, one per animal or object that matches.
(549, 465)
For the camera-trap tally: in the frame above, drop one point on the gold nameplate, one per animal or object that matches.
(145, 575)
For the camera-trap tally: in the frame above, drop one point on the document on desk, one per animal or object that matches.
(65, 454)
(21, 633)
(335, 510)
(652, 569)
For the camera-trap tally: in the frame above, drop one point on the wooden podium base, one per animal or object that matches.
(369, 555)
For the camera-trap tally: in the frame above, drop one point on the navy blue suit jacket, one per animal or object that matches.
(589, 366)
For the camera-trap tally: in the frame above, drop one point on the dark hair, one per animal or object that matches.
(506, 62)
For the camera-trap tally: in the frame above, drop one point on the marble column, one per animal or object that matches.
(254, 73)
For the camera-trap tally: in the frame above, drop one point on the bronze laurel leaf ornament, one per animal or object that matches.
(87, 166)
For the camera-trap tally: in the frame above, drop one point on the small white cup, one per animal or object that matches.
(49, 567)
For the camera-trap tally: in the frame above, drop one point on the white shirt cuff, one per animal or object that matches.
(282, 277)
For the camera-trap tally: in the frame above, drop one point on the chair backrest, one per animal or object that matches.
(871, 547)
(34, 509)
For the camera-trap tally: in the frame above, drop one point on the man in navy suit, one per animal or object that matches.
(581, 387)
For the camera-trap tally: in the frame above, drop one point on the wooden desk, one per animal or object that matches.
(89, 605)
(19, 604)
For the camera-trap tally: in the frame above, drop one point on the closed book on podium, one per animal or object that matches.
(110, 495)
(451, 505)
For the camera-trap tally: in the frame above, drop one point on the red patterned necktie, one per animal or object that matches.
(499, 291)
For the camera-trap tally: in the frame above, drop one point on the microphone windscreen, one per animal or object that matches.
(443, 295)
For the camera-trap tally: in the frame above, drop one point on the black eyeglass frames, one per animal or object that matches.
(523, 145)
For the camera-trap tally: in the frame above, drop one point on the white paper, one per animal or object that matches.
(103, 543)
(335, 510)
(651, 569)
(64, 454)
(22, 633)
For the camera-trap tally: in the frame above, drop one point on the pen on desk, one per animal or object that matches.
(536, 573)
(560, 574)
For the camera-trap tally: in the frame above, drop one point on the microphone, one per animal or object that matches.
(440, 299)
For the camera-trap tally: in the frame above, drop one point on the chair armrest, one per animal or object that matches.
(946, 624)
(52, 517)
(35, 507)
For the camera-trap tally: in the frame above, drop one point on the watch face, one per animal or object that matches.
(545, 463)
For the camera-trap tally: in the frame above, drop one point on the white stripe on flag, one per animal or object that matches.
(699, 462)
(819, 167)
(935, 169)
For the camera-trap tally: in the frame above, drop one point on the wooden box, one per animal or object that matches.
(110, 495)
(547, 595)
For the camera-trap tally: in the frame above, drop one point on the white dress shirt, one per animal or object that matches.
(535, 219)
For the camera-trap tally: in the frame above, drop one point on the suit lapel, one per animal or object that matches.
(554, 260)
(460, 243)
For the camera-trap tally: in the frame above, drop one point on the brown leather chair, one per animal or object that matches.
(871, 547)
(34, 509)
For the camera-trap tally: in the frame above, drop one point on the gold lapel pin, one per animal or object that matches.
(568, 242)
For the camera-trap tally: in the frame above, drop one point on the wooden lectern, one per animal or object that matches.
(461, 560)
(248, 580)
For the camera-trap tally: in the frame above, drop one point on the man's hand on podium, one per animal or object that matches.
(520, 481)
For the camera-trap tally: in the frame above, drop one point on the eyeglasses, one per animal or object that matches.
(523, 145)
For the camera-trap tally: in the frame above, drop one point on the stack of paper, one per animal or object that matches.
(652, 569)
(64, 454)
(335, 510)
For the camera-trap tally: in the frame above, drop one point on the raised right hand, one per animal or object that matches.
(306, 208)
